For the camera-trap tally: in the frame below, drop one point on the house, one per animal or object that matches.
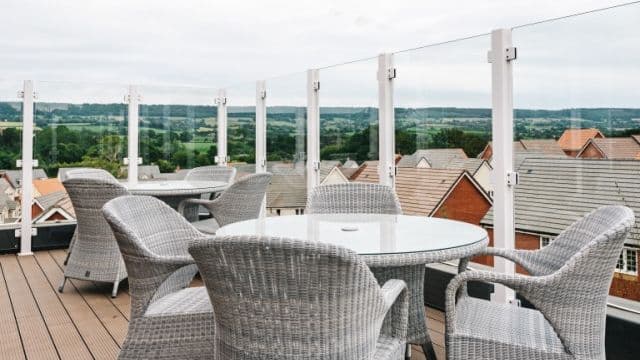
(287, 192)
(450, 159)
(330, 173)
(53, 207)
(367, 172)
(431, 158)
(573, 140)
(478, 168)
(14, 177)
(547, 147)
(445, 193)
(553, 193)
(47, 186)
(611, 148)
(487, 152)
(350, 164)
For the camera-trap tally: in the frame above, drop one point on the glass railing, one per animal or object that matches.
(577, 108)
(576, 131)
(442, 97)
(241, 127)
(10, 152)
(286, 144)
(177, 131)
(349, 120)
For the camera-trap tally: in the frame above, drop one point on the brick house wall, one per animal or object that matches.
(465, 203)
(623, 285)
(591, 152)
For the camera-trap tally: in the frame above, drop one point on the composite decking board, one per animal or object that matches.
(85, 318)
(64, 334)
(10, 342)
(35, 336)
(98, 340)
(110, 316)
(122, 302)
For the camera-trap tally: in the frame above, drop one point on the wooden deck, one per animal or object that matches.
(84, 322)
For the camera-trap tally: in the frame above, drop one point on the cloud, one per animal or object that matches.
(212, 44)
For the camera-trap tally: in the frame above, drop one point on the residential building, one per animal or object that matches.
(553, 193)
(573, 140)
(611, 148)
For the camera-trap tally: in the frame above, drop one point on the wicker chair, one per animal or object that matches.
(209, 173)
(169, 320)
(569, 287)
(79, 171)
(94, 254)
(287, 299)
(379, 199)
(241, 201)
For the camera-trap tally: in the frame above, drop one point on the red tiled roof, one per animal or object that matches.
(575, 139)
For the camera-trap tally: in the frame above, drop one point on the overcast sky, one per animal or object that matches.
(210, 43)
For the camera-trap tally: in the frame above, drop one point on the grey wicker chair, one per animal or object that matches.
(95, 255)
(241, 201)
(169, 319)
(379, 199)
(286, 299)
(210, 173)
(568, 287)
(80, 171)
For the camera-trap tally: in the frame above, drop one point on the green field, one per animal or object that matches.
(198, 146)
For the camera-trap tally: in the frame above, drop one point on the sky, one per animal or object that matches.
(213, 44)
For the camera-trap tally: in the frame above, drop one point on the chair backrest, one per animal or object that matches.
(575, 299)
(353, 198)
(66, 173)
(146, 230)
(277, 298)
(212, 173)
(243, 199)
(88, 195)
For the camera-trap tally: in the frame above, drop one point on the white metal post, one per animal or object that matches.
(313, 129)
(27, 167)
(221, 102)
(501, 55)
(386, 120)
(134, 109)
(261, 126)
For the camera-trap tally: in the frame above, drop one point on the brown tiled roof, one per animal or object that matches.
(47, 186)
(421, 190)
(636, 138)
(617, 148)
(574, 139)
(367, 172)
(517, 147)
(543, 146)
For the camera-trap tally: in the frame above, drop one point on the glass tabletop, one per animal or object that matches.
(366, 234)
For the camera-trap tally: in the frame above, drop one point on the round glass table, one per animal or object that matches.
(173, 192)
(394, 247)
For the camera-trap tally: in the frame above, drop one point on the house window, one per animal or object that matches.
(628, 261)
(301, 211)
(545, 240)
(278, 212)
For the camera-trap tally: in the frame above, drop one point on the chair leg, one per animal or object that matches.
(429, 353)
(66, 259)
(114, 292)
(61, 287)
(407, 352)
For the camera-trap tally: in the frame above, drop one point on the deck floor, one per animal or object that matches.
(84, 322)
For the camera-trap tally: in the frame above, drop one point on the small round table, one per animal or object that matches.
(394, 247)
(174, 191)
